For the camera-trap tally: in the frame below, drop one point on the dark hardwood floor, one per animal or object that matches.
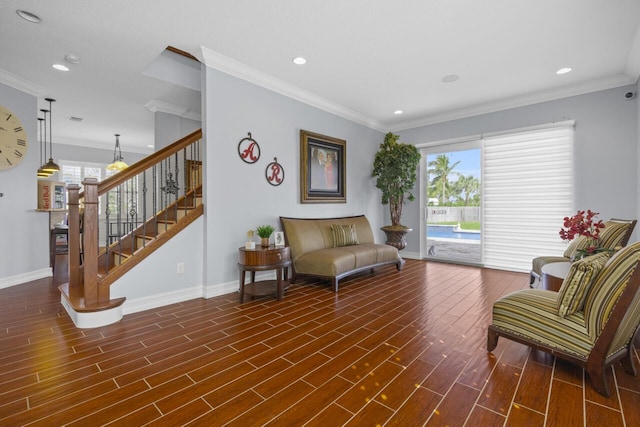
(389, 349)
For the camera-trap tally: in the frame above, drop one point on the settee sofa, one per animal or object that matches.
(333, 248)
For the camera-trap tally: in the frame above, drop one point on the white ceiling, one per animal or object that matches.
(365, 58)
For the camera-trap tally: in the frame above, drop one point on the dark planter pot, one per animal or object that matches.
(396, 236)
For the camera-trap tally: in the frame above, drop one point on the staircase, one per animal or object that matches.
(166, 184)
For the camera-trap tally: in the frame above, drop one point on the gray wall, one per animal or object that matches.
(76, 153)
(168, 128)
(238, 197)
(24, 233)
(606, 148)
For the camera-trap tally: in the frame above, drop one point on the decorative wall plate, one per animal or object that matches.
(274, 173)
(248, 149)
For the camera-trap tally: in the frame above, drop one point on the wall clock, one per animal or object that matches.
(13, 140)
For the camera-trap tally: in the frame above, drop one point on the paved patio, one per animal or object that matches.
(454, 249)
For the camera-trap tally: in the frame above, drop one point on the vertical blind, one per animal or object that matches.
(527, 191)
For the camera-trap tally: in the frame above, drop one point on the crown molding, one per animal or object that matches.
(519, 101)
(156, 106)
(244, 72)
(23, 85)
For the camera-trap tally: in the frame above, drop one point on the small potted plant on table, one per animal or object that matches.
(264, 231)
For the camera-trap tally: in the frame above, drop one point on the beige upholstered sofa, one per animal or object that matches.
(334, 248)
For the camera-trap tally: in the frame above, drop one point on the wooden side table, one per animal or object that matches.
(553, 275)
(263, 259)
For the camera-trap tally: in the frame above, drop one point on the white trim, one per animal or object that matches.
(520, 101)
(545, 126)
(22, 84)
(94, 319)
(19, 279)
(161, 300)
(244, 72)
(177, 110)
(410, 255)
(477, 137)
(460, 140)
(210, 291)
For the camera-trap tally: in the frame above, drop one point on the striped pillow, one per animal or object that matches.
(344, 235)
(612, 234)
(574, 287)
(608, 286)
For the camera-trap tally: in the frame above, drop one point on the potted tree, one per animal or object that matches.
(395, 167)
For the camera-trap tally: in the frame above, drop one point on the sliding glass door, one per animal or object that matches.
(452, 203)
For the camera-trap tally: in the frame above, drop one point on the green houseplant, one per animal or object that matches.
(395, 169)
(264, 231)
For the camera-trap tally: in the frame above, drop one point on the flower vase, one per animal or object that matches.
(264, 241)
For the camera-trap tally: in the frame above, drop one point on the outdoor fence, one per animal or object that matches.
(438, 214)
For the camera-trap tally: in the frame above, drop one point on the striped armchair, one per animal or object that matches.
(616, 233)
(599, 333)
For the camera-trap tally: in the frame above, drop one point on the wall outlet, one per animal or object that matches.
(180, 268)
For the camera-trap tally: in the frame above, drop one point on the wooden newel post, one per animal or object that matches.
(75, 278)
(90, 232)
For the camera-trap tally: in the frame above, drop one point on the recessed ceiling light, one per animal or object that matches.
(563, 70)
(72, 59)
(450, 78)
(398, 112)
(299, 60)
(60, 67)
(28, 16)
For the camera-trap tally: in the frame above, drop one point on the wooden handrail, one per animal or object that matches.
(144, 164)
(85, 290)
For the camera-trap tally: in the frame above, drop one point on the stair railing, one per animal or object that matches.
(140, 205)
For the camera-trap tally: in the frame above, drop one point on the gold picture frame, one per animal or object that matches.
(323, 161)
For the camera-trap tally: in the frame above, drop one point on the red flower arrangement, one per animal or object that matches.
(583, 224)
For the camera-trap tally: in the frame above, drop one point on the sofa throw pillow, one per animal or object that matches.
(344, 235)
(574, 287)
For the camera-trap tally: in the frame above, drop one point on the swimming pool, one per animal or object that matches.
(450, 232)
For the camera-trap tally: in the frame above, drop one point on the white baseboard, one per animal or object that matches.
(130, 306)
(94, 319)
(160, 300)
(19, 279)
(410, 255)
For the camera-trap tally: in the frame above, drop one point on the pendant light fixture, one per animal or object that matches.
(118, 162)
(50, 166)
(41, 172)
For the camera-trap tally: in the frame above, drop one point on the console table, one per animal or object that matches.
(553, 275)
(263, 259)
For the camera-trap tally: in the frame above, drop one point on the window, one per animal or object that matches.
(75, 172)
(527, 190)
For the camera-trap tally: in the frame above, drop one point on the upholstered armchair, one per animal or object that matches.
(615, 234)
(591, 321)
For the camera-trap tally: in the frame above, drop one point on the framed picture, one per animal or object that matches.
(323, 161)
(278, 238)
